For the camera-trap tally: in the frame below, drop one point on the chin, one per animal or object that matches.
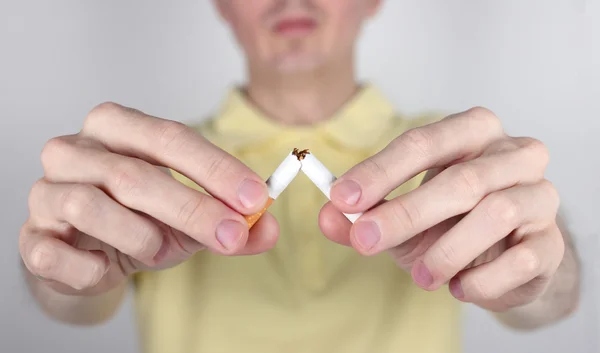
(298, 64)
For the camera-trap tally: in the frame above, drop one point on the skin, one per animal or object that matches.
(101, 214)
(105, 209)
(490, 232)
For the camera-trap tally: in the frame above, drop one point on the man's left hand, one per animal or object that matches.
(483, 221)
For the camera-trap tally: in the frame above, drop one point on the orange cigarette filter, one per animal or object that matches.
(278, 181)
(252, 219)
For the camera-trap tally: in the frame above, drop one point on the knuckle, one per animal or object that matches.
(445, 260)
(503, 145)
(501, 209)
(483, 113)
(417, 140)
(217, 168)
(486, 116)
(192, 213)
(53, 149)
(43, 259)
(405, 214)
(100, 113)
(466, 179)
(79, 202)
(539, 151)
(105, 109)
(480, 288)
(374, 168)
(526, 261)
(171, 135)
(145, 241)
(127, 176)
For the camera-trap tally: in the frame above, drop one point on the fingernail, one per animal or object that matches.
(367, 234)
(251, 193)
(422, 275)
(456, 288)
(229, 233)
(347, 191)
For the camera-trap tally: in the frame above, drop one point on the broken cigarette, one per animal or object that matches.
(286, 172)
(277, 182)
(320, 176)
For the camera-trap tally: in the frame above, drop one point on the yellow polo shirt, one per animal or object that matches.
(307, 294)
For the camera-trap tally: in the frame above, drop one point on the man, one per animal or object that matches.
(455, 210)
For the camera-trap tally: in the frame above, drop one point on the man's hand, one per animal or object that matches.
(484, 220)
(106, 209)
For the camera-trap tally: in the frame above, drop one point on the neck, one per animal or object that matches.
(305, 98)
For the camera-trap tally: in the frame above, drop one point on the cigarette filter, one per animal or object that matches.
(277, 182)
(321, 177)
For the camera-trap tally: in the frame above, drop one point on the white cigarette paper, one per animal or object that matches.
(277, 182)
(283, 175)
(287, 171)
(322, 178)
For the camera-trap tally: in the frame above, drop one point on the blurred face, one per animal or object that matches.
(296, 35)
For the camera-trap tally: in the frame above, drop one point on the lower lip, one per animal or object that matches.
(295, 27)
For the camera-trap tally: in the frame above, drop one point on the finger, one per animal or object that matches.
(263, 236)
(51, 259)
(92, 212)
(458, 137)
(141, 186)
(179, 147)
(452, 192)
(334, 225)
(407, 254)
(524, 209)
(513, 143)
(517, 276)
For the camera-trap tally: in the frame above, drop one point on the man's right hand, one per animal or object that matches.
(106, 209)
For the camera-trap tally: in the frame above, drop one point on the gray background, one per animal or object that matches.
(536, 63)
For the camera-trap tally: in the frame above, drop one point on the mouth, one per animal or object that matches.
(295, 26)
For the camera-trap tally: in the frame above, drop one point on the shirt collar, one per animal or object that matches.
(359, 124)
